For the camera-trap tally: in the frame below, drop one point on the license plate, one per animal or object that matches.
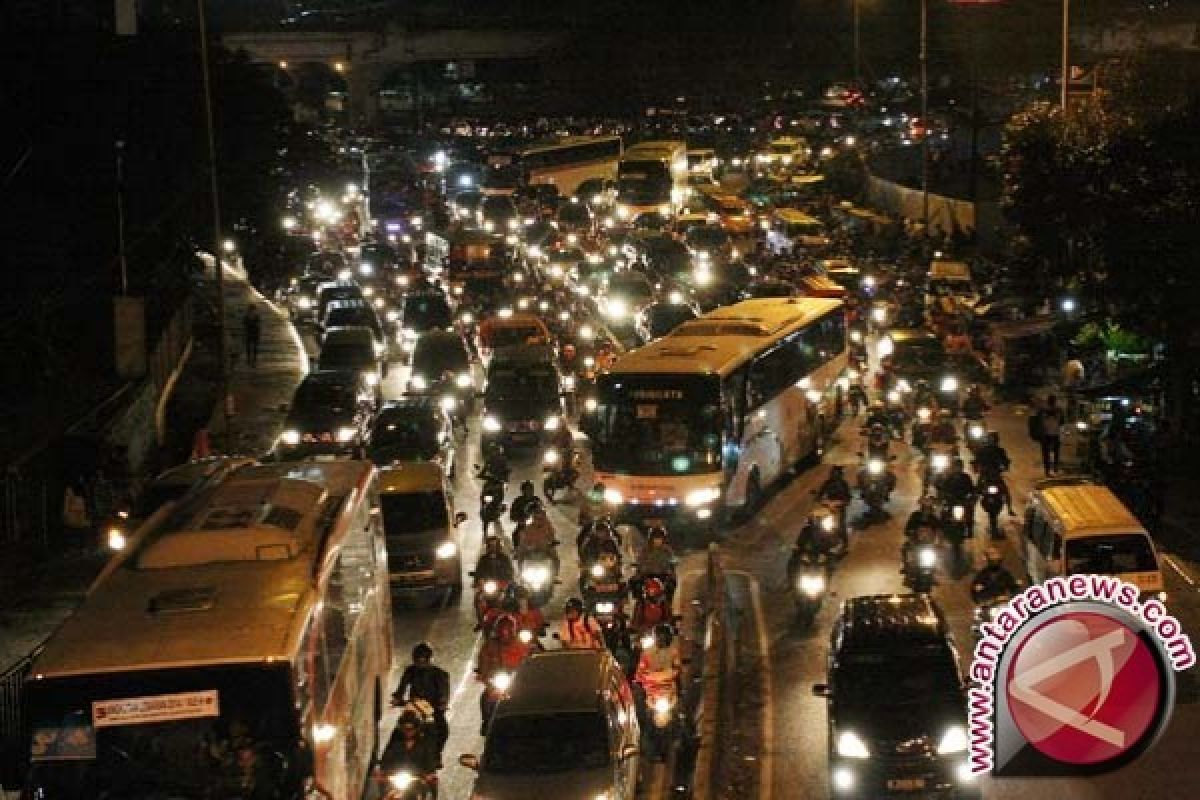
(906, 784)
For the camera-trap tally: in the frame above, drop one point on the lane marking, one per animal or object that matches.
(468, 674)
(766, 764)
(1179, 569)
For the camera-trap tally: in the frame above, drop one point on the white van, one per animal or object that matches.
(568, 728)
(1073, 526)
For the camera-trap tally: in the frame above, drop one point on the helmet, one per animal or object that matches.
(422, 652)
(526, 487)
(876, 407)
(993, 437)
(653, 588)
(409, 718)
(658, 532)
(574, 604)
(664, 634)
(568, 351)
(926, 502)
(505, 627)
(877, 428)
(945, 414)
(994, 557)
(492, 540)
(838, 471)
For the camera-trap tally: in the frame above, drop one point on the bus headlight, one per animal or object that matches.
(290, 437)
(551, 423)
(613, 497)
(346, 434)
(372, 378)
(463, 380)
(446, 550)
(700, 497)
(491, 424)
(949, 384)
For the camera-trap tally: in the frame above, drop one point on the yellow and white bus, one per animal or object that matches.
(701, 422)
(245, 631)
(565, 164)
(652, 178)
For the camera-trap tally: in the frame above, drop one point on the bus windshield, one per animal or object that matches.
(658, 425)
(226, 732)
(641, 182)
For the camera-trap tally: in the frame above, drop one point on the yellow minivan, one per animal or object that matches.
(1073, 526)
(421, 531)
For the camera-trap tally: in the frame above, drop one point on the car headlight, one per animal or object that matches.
(927, 558)
(491, 424)
(616, 308)
(812, 584)
(366, 269)
(446, 550)
(372, 378)
(954, 740)
(850, 745)
(304, 303)
(551, 423)
(949, 384)
(886, 346)
(556, 271)
(345, 275)
(502, 681)
(699, 497)
(448, 402)
(550, 458)
(875, 466)
(401, 780)
(613, 497)
(290, 437)
(418, 382)
(346, 434)
(402, 280)
(116, 539)
(940, 461)
(408, 333)
(462, 380)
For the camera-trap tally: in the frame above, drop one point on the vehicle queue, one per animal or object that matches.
(704, 342)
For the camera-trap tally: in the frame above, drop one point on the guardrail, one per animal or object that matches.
(13, 741)
(713, 714)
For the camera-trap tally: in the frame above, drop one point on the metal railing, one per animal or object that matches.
(13, 734)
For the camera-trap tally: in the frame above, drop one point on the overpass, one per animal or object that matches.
(366, 57)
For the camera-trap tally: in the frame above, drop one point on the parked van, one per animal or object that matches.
(568, 728)
(421, 531)
(1073, 526)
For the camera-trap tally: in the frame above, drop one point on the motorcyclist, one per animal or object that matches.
(943, 430)
(836, 492)
(876, 415)
(922, 522)
(592, 539)
(410, 750)
(653, 606)
(974, 406)
(494, 564)
(991, 462)
(808, 549)
(993, 581)
(877, 440)
(537, 534)
(501, 652)
(659, 665)
(657, 558)
(523, 504)
(422, 681)
(528, 616)
(495, 463)
(577, 630)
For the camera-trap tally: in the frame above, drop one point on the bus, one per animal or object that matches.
(652, 177)
(564, 164)
(245, 629)
(697, 425)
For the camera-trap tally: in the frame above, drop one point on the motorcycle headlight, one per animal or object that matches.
(537, 577)
(993, 489)
(850, 745)
(893, 397)
(903, 385)
(927, 558)
(402, 280)
(372, 378)
(448, 402)
(812, 584)
(924, 414)
(463, 380)
(827, 523)
(290, 437)
(700, 497)
(513, 224)
(419, 383)
(401, 780)
(345, 275)
(550, 458)
(613, 497)
(597, 571)
(446, 550)
(502, 681)
(304, 303)
(605, 607)
(366, 269)
(879, 314)
(491, 424)
(875, 466)
(556, 271)
(489, 226)
(856, 337)
(569, 383)
(954, 740)
(587, 334)
(490, 587)
(976, 431)
(958, 512)
(590, 405)
(940, 461)
(616, 308)
(662, 704)
(346, 434)
(116, 539)
(551, 423)
(949, 384)
(393, 315)
(524, 636)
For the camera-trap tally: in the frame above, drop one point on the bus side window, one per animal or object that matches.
(734, 399)
(1056, 546)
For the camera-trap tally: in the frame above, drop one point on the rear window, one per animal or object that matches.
(416, 512)
(1110, 555)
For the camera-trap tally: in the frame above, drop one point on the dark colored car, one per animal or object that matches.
(916, 355)
(334, 291)
(498, 214)
(441, 367)
(897, 703)
(330, 414)
(421, 312)
(522, 400)
(356, 313)
(658, 319)
(412, 429)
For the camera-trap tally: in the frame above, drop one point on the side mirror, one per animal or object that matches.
(460, 518)
(821, 690)
(469, 760)
(629, 751)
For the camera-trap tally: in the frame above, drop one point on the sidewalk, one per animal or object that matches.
(42, 597)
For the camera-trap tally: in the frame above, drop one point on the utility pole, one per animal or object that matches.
(925, 116)
(1065, 79)
(857, 48)
(217, 249)
(120, 146)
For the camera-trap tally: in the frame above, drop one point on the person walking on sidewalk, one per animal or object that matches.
(252, 332)
(1073, 375)
(1050, 424)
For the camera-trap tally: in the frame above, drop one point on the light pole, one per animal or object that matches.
(1066, 55)
(120, 147)
(217, 245)
(925, 116)
(857, 49)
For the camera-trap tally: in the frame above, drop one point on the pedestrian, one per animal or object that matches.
(252, 331)
(1073, 375)
(76, 520)
(1050, 424)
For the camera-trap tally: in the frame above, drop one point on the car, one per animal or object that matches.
(625, 294)
(420, 312)
(333, 291)
(353, 349)
(658, 319)
(356, 313)
(330, 414)
(325, 264)
(497, 214)
(568, 727)
(710, 244)
(412, 429)
(771, 287)
(465, 204)
(376, 257)
(300, 298)
(916, 354)
(420, 530)
(441, 366)
(522, 398)
(897, 706)
(574, 216)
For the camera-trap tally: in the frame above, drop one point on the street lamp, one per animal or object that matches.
(283, 65)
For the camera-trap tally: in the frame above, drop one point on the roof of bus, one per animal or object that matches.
(655, 149)
(566, 141)
(722, 340)
(1085, 509)
(225, 578)
(795, 215)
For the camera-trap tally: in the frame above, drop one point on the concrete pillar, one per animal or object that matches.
(362, 82)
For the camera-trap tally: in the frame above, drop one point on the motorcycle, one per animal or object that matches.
(941, 456)
(920, 564)
(495, 690)
(992, 501)
(922, 430)
(538, 569)
(808, 587)
(857, 393)
(650, 611)
(876, 482)
(661, 708)
(975, 434)
(491, 501)
(954, 529)
(896, 414)
(823, 525)
(489, 595)
(562, 472)
(987, 611)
